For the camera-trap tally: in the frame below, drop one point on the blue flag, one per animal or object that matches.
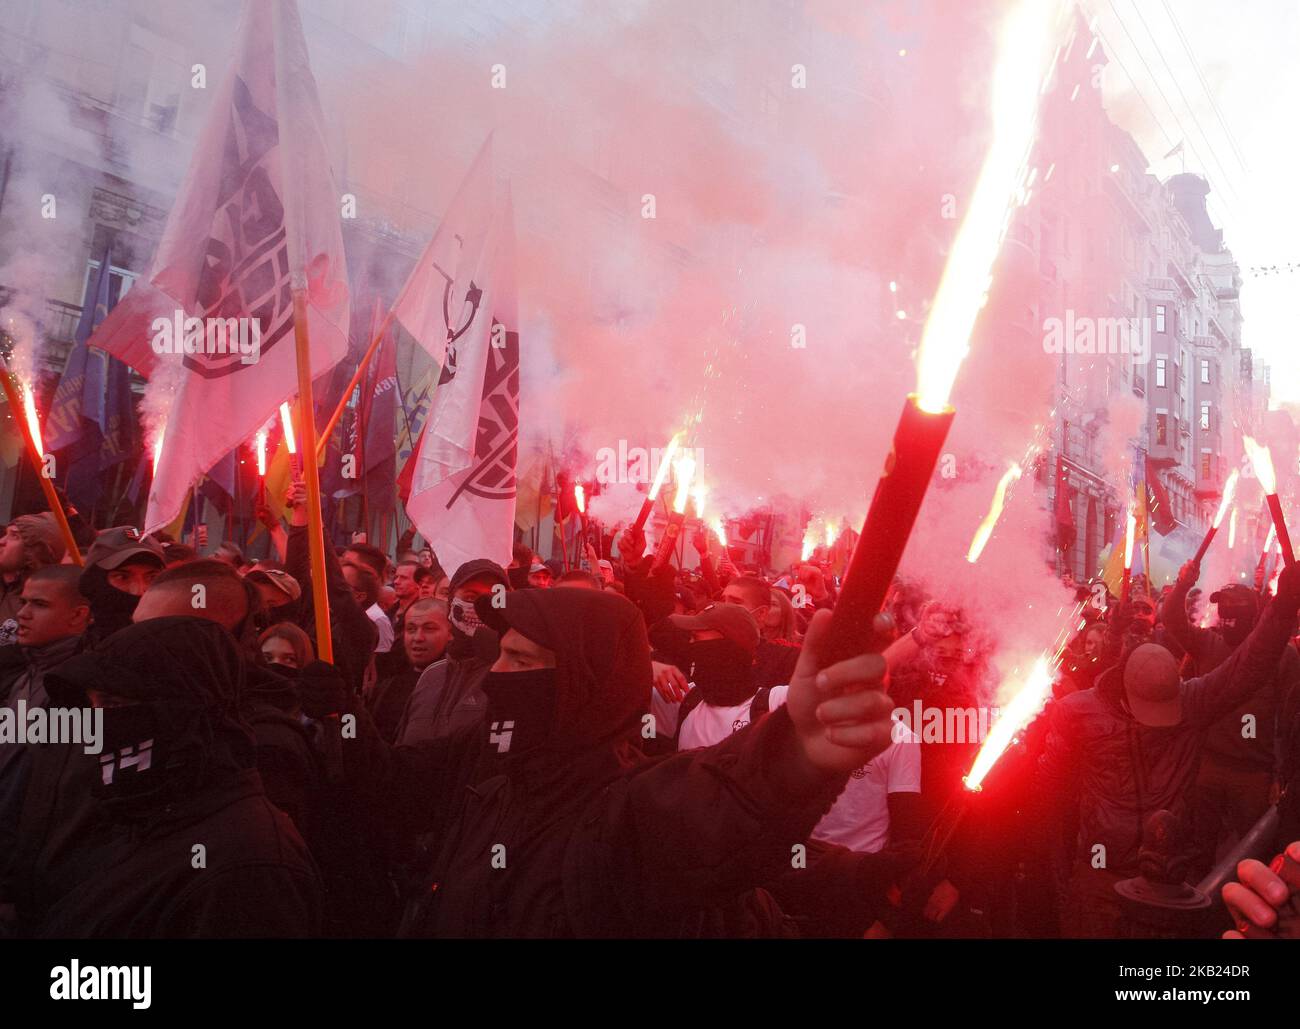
(91, 422)
(80, 394)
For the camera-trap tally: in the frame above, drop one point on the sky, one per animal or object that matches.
(1246, 55)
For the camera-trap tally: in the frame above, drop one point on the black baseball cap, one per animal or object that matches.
(733, 621)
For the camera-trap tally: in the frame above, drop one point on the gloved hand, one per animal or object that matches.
(322, 690)
(1288, 587)
(1187, 576)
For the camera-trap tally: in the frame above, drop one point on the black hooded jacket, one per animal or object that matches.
(130, 869)
(1208, 649)
(581, 836)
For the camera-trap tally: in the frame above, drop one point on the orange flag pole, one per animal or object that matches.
(311, 473)
(352, 384)
(18, 412)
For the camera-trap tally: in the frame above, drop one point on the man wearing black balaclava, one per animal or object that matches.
(551, 824)
(119, 568)
(719, 663)
(188, 844)
(1241, 766)
(840, 892)
(449, 695)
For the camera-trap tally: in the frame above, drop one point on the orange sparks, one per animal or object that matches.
(809, 542)
(684, 469)
(1262, 462)
(1025, 54)
(665, 463)
(1011, 720)
(699, 494)
(1129, 533)
(260, 443)
(719, 530)
(580, 498)
(286, 419)
(985, 530)
(1229, 488)
(158, 445)
(33, 419)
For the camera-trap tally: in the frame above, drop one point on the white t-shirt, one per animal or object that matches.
(859, 818)
(376, 614)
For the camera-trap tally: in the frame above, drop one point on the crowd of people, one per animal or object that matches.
(623, 748)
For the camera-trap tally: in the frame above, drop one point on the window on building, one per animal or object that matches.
(1160, 317)
(1205, 370)
(120, 280)
(1162, 428)
(1207, 464)
(1160, 370)
(1205, 416)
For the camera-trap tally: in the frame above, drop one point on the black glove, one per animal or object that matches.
(885, 869)
(322, 690)
(1288, 587)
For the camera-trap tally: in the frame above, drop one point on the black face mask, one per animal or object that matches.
(1235, 624)
(521, 709)
(110, 607)
(133, 759)
(723, 671)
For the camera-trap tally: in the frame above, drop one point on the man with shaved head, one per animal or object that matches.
(207, 588)
(1131, 745)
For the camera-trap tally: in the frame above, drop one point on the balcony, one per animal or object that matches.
(1122, 192)
(1181, 279)
(60, 322)
(1218, 331)
(1139, 384)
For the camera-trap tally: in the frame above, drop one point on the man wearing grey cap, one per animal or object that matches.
(119, 568)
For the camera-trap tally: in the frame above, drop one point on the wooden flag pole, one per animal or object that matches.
(311, 473)
(19, 415)
(352, 384)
